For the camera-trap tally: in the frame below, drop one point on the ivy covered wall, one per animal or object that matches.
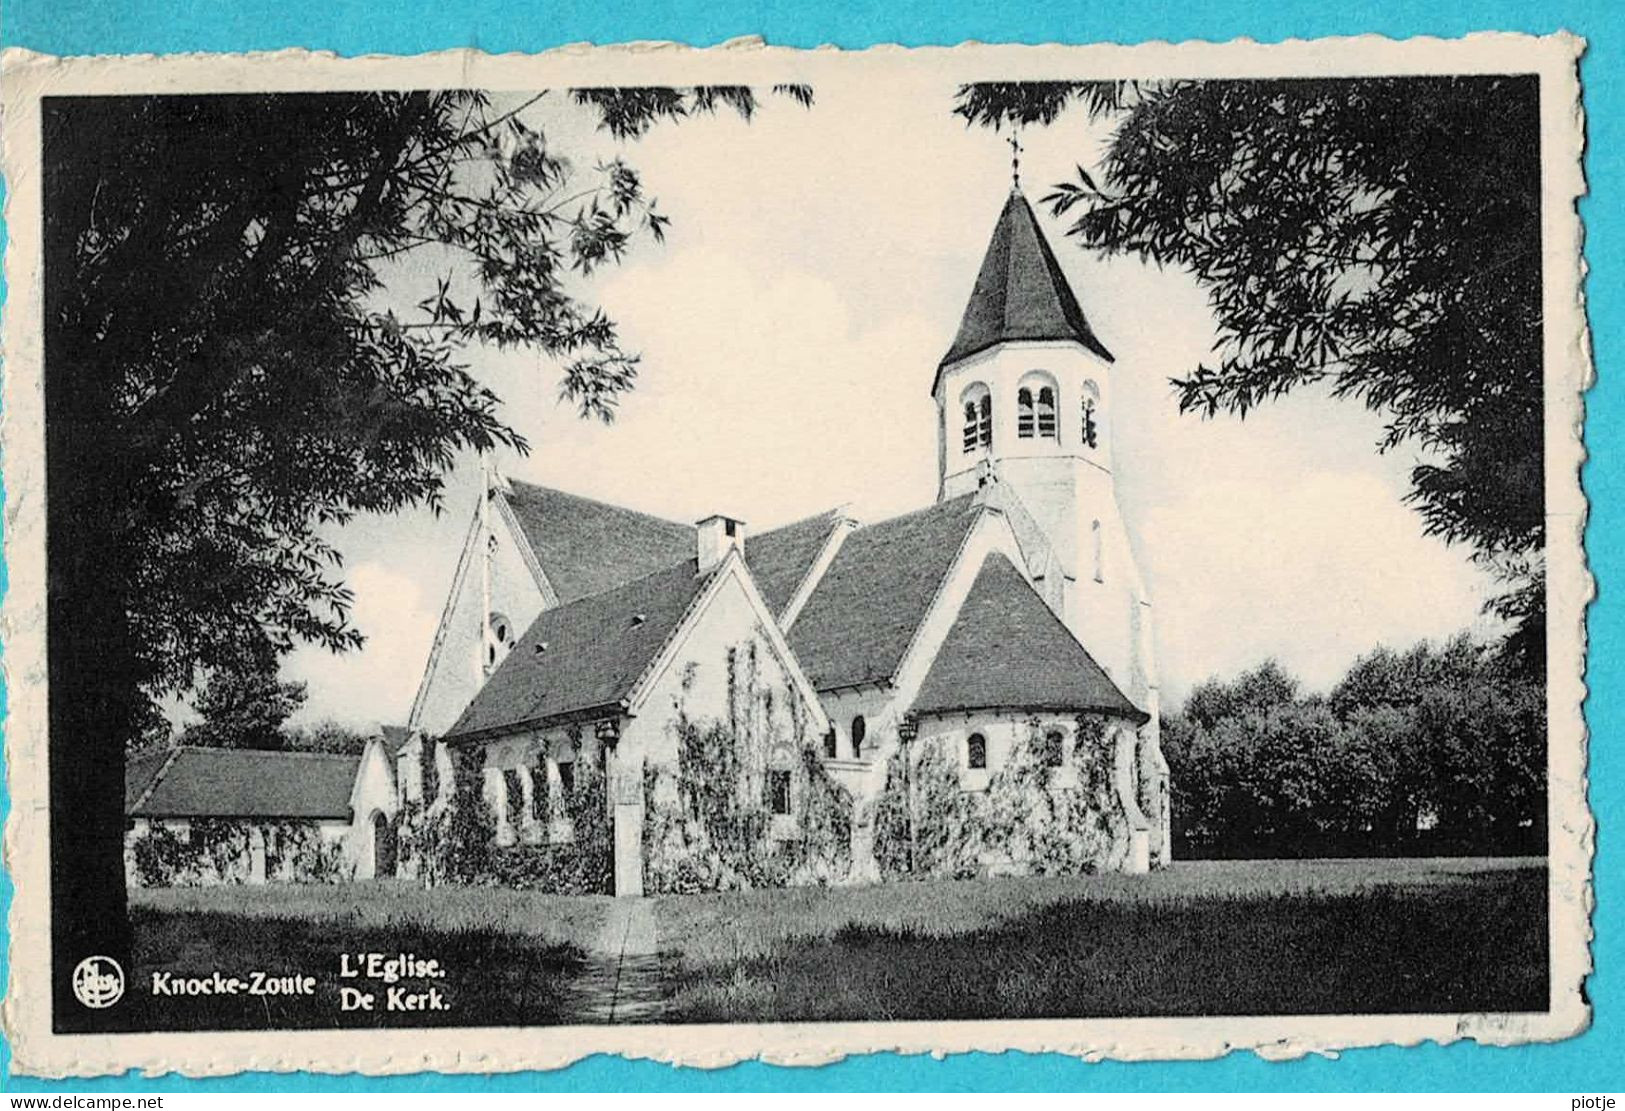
(1034, 810)
(222, 851)
(734, 792)
(518, 826)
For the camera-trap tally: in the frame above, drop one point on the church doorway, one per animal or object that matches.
(383, 847)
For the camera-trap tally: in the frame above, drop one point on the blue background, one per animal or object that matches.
(1593, 1062)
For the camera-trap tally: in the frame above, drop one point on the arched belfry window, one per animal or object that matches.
(860, 729)
(978, 430)
(1090, 424)
(1046, 415)
(976, 752)
(1035, 407)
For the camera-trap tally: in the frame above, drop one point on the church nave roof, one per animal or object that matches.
(865, 610)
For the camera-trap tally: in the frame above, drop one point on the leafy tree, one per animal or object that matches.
(244, 709)
(1260, 690)
(326, 736)
(1450, 733)
(225, 381)
(1378, 235)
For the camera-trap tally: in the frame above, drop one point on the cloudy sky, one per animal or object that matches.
(814, 274)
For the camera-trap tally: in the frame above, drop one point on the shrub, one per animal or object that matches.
(924, 824)
(161, 859)
(513, 799)
(428, 771)
(582, 866)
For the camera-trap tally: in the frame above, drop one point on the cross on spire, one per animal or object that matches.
(1015, 158)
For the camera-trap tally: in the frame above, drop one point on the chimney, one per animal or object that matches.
(718, 534)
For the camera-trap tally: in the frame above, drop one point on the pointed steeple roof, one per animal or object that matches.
(1020, 293)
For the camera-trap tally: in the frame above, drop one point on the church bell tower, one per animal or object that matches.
(1024, 398)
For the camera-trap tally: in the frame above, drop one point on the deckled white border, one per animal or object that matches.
(26, 77)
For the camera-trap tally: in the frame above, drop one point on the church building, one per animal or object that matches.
(1007, 617)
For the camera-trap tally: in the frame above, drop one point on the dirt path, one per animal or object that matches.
(622, 979)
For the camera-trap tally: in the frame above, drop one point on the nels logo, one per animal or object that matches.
(98, 982)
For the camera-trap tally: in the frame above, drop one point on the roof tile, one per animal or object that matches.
(864, 611)
(197, 782)
(1007, 649)
(583, 656)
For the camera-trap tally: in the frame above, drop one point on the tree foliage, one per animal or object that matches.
(251, 709)
(230, 379)
(244, 709)
(1377, 235)
(1439, 746)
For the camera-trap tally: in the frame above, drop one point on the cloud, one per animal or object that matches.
(375, 685)
(1314, 569)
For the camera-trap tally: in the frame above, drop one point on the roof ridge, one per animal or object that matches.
(519, 482)
(966, 497)
(830, 512)
(176, 749)
(936, 595)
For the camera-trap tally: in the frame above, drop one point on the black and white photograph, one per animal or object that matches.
(706, 553)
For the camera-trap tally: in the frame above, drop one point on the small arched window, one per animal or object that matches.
(830, 742)
(499, 639)
(1046, 415)
(1054, 748)
(976, 752)
(978, 430)
(1097, 551)
(860, 729)
(1024, 413)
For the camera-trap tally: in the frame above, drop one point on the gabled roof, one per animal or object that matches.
(395, 738)
(584, 657)
(779, 560)
(1007, 649)
(1020, 292)
(196, 782)
(586, 547)
(865, 610)
(140, 771)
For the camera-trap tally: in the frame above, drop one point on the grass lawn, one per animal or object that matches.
(1233, 937)
(1236, 937)
(511, 957)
